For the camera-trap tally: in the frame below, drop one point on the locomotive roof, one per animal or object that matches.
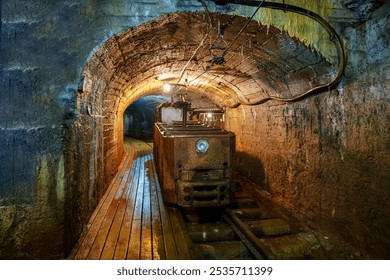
(172, 129)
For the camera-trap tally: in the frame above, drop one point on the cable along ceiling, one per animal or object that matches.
(219, 59)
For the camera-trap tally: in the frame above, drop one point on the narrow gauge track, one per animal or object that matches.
(247, 230)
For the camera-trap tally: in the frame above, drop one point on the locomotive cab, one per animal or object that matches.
(194, 160)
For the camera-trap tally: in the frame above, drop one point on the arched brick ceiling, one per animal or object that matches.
(263, 61)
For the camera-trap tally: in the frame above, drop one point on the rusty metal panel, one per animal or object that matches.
(163, 155)
(195, 164)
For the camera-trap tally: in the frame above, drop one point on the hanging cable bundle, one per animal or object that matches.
(220, 59)
(333, 36)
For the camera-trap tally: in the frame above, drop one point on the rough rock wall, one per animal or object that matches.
(36, 93)
(49, 186)
(328, 157)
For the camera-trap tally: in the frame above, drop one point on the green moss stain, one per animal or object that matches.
(305, 29)
(42, 187)
(7, 216)
(50, 188)
(60, 180)
(25, 230)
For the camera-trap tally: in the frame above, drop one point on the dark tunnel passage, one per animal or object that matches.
(139, 117)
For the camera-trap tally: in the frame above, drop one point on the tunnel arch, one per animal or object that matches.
(263, 61)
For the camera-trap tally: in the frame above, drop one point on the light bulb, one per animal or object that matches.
(167, 87)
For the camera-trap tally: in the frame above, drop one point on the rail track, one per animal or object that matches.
(247, 230)
(132, 222)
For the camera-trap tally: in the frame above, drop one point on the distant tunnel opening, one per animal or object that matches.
(139, 117)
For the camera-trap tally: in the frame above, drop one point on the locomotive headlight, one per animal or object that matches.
(201, 146)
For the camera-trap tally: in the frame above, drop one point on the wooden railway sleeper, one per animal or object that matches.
(270, 236)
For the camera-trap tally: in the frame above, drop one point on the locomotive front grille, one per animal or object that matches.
(203, 193)
(204, 175)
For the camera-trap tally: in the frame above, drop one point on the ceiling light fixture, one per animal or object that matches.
(168, 87)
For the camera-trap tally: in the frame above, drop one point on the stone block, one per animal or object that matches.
(250, 214)
(269, 227)
(298, 246)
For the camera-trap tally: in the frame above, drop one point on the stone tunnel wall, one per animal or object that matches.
(49, 185)
(327, 158)
(51, 161)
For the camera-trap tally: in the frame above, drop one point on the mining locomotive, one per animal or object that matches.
(194, 159)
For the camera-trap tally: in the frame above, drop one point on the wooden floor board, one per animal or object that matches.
(98, 244)
(84, 246)
(131, 221)
(157, 233)
(133, 252)
(146, 236)
(125, 231)
(112, 238)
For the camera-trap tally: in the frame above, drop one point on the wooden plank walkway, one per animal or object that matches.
(131, 220)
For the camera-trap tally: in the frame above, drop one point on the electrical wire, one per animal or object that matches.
(334, 37)
(220, 59)
(209, 27)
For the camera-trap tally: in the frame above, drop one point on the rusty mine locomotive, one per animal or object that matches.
(194, 159)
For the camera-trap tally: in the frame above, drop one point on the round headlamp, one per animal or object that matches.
(201, 146)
